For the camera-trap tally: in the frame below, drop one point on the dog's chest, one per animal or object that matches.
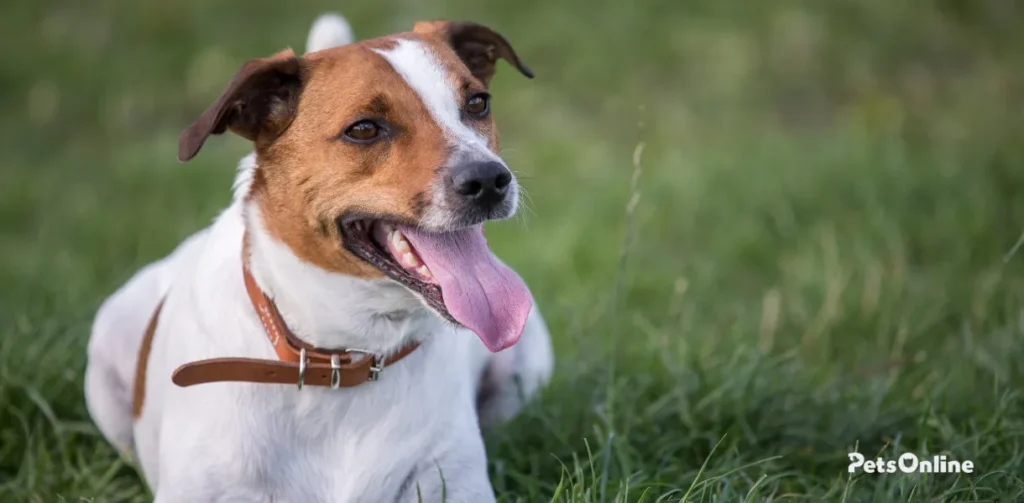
(362, 444)
(270, 442)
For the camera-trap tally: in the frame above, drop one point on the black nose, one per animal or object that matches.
(485, 183)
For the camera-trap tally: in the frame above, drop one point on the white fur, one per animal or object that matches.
(416, 430)
(427, 77)
(329, 30)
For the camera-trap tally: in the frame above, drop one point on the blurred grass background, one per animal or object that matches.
(820, 256)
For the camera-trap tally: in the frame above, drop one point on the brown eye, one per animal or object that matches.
(479, 105)
(363, 131)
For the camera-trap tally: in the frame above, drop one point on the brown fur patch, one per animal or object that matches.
(142, 363)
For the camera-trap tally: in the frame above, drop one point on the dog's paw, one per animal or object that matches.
(515, 376)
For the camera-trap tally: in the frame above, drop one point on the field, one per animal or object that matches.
(764, 234)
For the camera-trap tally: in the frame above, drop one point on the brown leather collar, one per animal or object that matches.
(298, 363)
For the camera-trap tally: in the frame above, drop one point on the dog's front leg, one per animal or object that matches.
(457, 476)
(203, 456)
(164, 497)
(182, 493)
(515, 375)
(426, 491)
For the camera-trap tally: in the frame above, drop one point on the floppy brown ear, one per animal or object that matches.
(478, 46)
(258, 104)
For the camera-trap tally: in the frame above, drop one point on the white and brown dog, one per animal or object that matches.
(315, 343)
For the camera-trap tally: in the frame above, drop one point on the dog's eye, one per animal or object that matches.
(363, 131)
(479, 105)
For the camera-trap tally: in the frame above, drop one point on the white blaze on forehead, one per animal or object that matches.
(427, 77)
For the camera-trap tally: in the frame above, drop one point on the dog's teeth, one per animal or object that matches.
(399, 242)
(410, 260)
(423, 271)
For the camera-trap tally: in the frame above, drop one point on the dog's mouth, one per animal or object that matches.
(454, 272)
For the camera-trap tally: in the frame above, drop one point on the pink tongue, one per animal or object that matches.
(481, 293)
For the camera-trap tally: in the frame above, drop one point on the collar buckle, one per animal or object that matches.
(378, 362)
(302, 367)
(335, 371)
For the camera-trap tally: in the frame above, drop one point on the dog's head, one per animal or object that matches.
(380, 159)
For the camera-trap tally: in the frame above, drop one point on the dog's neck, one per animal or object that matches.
(330, 310)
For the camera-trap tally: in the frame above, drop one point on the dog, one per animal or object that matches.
(341, 332)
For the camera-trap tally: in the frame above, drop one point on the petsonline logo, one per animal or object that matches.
(908, 463)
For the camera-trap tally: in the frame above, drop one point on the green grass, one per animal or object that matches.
(817, 254)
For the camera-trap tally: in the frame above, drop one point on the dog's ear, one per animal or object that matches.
(329, 30)
(258, 104)
(478, 46)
